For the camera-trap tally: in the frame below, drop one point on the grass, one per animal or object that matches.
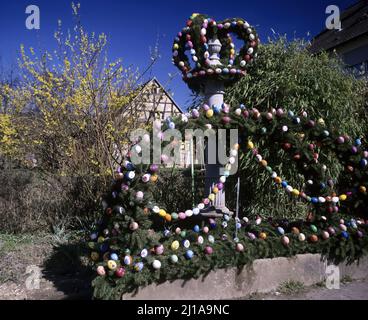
(61, 252)
(291, 287)
(15, 242)
(10, 242)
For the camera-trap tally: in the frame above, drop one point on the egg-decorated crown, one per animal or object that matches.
(212, 52)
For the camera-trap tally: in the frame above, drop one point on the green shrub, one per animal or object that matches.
(31, 200)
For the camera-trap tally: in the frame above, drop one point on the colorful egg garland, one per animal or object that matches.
(233, 66)
(189, 254)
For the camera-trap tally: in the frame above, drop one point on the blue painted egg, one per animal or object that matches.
(129, 166)
(196, 228)
(104, 247)
(314, 200)
(216, 109)
(363, 162)
(345, 235)
(212, 223)
(128, 260)
(189, 254)
(114, 257)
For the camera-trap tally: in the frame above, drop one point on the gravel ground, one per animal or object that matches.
(78, 290)
(356, 290)
(353, 290)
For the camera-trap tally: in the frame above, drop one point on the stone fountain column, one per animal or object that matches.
(214, 96)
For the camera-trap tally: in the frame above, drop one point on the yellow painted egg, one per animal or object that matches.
(263, 235)
(209, 113)
(162, 213)
(111, 264)
(175, 245)
(211, 197)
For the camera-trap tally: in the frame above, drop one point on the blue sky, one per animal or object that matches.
(133, 26)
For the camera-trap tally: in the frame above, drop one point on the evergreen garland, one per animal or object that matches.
(117, 240)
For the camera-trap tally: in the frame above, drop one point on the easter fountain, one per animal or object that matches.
(135, 259)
